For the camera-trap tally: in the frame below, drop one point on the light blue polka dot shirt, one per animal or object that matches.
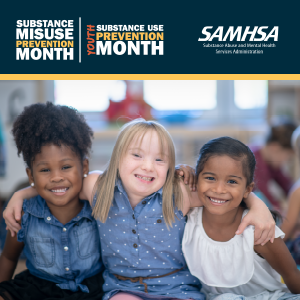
(136, 242)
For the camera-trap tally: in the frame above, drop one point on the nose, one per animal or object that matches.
(147, 165)
(56, 176)
(219, 187)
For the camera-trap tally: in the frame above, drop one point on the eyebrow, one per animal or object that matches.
(47, 161)
(136, 148)
(210, 173)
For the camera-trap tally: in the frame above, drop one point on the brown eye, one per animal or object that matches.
(66, 167)
(232, 181)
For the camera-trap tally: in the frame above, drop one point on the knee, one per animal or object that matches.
(124, 296)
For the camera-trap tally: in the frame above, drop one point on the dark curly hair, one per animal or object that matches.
(41, 124)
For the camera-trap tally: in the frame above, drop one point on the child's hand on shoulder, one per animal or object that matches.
(188, 174)
(13, 211)
(261, 218)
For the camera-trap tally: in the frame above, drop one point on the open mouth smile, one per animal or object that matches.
(59, 191)
(217, 201)
(144, 178)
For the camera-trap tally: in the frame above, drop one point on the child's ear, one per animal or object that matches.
(85, 166)
(249, 189)
(30, 176)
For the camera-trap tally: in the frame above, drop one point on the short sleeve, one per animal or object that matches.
(279, 233)
(21, 233)
(212, 261)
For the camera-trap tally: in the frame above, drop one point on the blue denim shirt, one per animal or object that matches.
(136, 242)
(64, 254)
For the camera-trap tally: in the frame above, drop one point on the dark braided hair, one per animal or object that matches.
(42, 124)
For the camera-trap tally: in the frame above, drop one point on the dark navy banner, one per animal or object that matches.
(178, 37)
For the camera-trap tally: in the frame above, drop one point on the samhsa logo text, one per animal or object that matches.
(262, 33)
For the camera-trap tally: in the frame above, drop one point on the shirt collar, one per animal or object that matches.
(39, 208)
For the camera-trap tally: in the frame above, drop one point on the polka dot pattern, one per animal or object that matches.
(136, 242)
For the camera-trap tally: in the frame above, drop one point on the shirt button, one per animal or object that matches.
(66, 248)
(133, 231)
(135, 245)
(158, 221)
(64, 229)
(144, 202)
(49, 218)
(67, 269)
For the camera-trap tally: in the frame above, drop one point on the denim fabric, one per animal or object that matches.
(64, 254)
(136, 242)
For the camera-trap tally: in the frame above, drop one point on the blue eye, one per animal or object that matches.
(210, 178)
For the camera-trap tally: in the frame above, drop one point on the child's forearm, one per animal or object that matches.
(259, 216)
(9, 257)
(13, 211)
(7, 268)
(292, 281)
(25, 193)
(252, 200)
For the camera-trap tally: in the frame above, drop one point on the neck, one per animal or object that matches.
(65, 214)
(135, 200)
(219, 223)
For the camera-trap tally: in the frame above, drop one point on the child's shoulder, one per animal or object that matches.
(34, 206)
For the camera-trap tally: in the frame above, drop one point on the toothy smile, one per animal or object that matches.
(144, 178)
(59, 190)
(217, 201)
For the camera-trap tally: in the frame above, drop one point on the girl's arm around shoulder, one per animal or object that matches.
(293, 212)
(88, 186)
(190, 198)
(12, 213)
(260, 216)
(9, 257)
(280, 259)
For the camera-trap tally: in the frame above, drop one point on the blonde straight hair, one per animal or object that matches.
(105, 185)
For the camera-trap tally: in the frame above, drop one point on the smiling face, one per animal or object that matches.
(57, 173)
(222, 184)
(143, 168)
